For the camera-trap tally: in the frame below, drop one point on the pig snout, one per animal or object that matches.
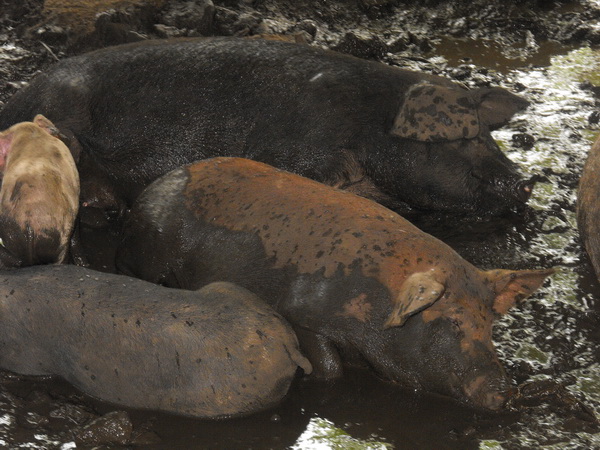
(487, 392)
(524, 188)
(514, 190)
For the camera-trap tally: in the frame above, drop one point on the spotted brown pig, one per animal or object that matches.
(358, 282)
(219, 351)
(39, 197)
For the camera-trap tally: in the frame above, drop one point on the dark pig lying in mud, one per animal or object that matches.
(406, 139)
(588, 206)
(358, 283)
(39, 197)
(219, 351)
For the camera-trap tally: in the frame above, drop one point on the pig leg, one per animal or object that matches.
(347, 173)
(322, 354)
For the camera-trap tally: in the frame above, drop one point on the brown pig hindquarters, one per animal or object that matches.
(215, 352)
(39, 197)
(358, 282)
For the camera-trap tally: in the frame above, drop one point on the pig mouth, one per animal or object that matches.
(510, 195)
(487, 394)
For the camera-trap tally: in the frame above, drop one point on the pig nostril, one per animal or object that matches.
(495, 401)
(524, 189)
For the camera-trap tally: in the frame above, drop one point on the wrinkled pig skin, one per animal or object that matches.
(406, 139)
(588, 206)
(358, 283)
(39, 197)
(219, 351)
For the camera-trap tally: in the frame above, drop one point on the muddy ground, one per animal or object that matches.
(545, 50)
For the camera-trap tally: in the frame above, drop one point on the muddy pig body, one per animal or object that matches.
(219, 351)
(409, 140)
(588, 206)
(39, 197)
(358, 282)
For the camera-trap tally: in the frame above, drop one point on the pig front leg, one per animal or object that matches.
(321, 352)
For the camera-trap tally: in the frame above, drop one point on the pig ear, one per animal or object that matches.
(510, 286)
(419, 291)
(497, 106)
(433, 113)
(67, 137)
(44, 123)
(5, 143)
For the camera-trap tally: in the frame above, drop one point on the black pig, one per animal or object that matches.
(406, 139)
(219, 351)
(357, 281)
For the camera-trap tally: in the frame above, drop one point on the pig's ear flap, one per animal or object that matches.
(5, 143)
(419, 291)
(497, 106)
(66, 136)
(46, 124)
(511, 286)
(433, 113)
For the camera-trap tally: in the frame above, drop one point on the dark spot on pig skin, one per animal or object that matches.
(16, 193)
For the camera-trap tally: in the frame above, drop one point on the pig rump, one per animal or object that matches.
(39, 197)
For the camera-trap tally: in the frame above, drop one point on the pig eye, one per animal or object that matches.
(455, 326)
(475, 175)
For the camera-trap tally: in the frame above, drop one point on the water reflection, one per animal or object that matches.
(498, 56)
(323, 434)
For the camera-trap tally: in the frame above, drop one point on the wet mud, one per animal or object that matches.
(547, 52)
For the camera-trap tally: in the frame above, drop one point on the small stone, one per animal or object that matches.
(523, 140)
(71, 413)
(34, 420)
(196, 15)
(112, 428)
(362, 46)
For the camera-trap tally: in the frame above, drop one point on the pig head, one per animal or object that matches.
(443, 133)
(411, 141)
(441, 327)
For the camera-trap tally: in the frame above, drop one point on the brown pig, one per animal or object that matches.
(588, 206)
(39, 198)
(218, 351)
(358, 282)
